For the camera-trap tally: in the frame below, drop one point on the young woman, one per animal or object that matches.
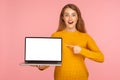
(77, 45)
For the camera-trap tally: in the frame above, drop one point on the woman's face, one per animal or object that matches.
(70, 18)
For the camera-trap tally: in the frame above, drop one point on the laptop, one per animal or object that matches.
(43, 51)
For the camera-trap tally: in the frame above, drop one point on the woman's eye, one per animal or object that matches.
(65, 15)
(73, 15)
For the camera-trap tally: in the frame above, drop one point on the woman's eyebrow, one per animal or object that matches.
(66, 13)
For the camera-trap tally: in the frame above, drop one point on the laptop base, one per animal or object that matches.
(28, 64)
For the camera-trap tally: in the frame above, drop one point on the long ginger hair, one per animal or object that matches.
(80, 26)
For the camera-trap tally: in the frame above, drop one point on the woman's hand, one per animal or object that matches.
(41, 67)
(76, 49)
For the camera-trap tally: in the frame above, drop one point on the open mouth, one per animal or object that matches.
(70, 22)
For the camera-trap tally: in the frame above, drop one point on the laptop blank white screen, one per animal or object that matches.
(43, 49)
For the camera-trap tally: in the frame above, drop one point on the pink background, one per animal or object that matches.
(20, 18)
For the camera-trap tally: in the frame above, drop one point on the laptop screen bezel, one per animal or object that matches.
(42, 61)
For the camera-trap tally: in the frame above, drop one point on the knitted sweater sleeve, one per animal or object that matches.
(92, 51)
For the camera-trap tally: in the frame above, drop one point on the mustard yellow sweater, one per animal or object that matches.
(73, 66)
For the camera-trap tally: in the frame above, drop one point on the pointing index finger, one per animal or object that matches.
(71, 46)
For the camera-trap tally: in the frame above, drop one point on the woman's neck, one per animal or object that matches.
(71, 29)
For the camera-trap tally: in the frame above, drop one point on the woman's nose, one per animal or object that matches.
(70, 17)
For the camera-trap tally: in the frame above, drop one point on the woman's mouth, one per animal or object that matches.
(70, 22)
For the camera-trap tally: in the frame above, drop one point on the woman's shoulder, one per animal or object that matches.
(85, 35)
(56, 34)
